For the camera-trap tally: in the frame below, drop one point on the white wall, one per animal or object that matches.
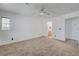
(59, 28)
(22, 28)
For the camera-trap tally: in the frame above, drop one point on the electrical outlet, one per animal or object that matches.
(54, 35)
(12, 38)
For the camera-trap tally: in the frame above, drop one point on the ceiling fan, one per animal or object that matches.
(26, 3)
(44, 11)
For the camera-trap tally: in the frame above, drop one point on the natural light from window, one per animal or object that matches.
(5, 23)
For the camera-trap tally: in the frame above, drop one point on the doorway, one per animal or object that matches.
(49, 24)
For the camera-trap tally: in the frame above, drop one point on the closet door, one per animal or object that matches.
(75, 29)
(68, 29)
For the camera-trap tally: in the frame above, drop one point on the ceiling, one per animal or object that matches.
(55, 9)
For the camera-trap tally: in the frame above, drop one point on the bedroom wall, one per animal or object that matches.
(59, 28)
(22, 28)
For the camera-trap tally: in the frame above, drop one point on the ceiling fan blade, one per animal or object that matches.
(26, 3)
(47, 13)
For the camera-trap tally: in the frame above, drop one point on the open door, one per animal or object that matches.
(49, 24)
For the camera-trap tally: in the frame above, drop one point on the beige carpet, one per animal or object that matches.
(39, 47)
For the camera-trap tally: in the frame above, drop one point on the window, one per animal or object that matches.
(5, 23)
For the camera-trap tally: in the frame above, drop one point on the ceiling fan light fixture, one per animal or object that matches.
(26, 3)
(41, 13)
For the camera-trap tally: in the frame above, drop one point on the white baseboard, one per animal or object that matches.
(18, 40)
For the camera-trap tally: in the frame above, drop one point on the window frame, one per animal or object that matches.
(5, 23)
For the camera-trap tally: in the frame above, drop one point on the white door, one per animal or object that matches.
(68, 29)
(75, 29)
